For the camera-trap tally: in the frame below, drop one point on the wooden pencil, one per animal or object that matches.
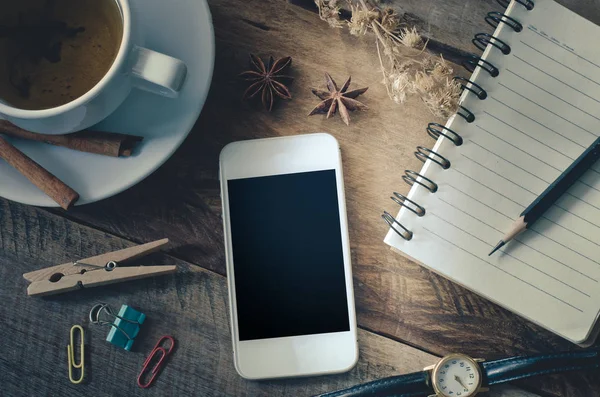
(552, 193)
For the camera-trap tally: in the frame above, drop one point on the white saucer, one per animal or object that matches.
(182, 29)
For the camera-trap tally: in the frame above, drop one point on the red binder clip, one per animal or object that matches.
(156, 352)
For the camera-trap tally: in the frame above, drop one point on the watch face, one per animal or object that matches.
(456, 375)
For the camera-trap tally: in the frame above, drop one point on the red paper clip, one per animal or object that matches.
(155, 370)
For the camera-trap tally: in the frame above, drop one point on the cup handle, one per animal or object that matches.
(157, 73)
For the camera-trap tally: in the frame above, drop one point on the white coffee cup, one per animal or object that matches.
(134, 66)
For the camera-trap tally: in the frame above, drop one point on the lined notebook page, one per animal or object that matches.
(541, 113)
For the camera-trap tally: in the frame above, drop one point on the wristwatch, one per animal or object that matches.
(458, 375)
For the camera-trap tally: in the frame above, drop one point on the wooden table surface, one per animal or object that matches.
(406, 314)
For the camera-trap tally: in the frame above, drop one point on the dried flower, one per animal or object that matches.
(397, 85)
(410, 38)
(423, 82)
(443, 101)
(329, 12)
(361, 20)
(428, 64)
(441, 68)
(390, 21)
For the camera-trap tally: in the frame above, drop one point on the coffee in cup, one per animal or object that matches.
(82, 68)
(54, 51)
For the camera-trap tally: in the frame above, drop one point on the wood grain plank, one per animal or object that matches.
(395, 297)
(451, 24)
(190, 305)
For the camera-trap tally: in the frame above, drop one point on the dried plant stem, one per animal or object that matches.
(382, 67)
(378, 35)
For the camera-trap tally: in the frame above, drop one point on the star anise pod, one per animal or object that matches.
(268, 81)
(337, 99)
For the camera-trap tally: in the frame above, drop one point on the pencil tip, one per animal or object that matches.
(497, 247)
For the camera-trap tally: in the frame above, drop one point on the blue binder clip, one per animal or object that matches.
(125, 326)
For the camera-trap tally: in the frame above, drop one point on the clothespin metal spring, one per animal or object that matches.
(108, 267)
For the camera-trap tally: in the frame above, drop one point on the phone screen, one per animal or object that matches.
(287, 255)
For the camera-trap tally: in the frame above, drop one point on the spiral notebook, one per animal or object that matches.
(531, 106)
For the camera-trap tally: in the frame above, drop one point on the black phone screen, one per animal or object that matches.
(287, 255)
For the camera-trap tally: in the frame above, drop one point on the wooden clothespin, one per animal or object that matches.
(95, 271)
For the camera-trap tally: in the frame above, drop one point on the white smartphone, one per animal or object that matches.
(288, 257)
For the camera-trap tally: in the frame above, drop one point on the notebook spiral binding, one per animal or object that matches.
(435, 130)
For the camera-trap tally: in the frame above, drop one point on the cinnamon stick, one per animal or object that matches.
(39, 176)
(98, 142)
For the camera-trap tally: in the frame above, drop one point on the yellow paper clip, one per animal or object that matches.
(71, 355)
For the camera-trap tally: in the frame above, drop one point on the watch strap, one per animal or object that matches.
(514, 368)
(409, 385)
(494, 372)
